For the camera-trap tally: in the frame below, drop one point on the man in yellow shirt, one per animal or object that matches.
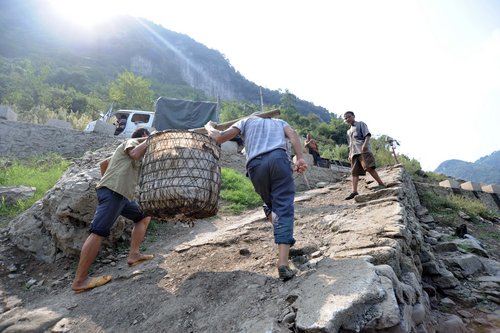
(115, 192)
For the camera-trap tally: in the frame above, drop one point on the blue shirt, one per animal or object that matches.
(262, 135)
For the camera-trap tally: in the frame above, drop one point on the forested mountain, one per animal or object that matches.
(484, 170)
(177, 65)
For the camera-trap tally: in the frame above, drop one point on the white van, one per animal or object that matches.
(134, 118)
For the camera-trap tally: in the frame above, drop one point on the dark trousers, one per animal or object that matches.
(316, 156)
(272, 177)
(110, 206)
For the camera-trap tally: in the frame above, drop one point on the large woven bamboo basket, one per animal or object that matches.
(180, 175)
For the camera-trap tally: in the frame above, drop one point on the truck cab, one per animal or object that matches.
(133, 119)
(129, 119)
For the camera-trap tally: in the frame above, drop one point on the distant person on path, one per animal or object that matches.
(312, 145)
(268, 167)
(121, 124)
(115, 191)
(360, 153)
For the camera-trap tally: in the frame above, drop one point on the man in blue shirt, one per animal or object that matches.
(268, 167)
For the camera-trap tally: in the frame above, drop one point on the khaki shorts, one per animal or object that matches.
(362, 162)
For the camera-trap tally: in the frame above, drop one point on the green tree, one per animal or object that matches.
(235, 110)
(69, 79)
(131, 92)
(339, 130)
(288, 107)
(26, 83)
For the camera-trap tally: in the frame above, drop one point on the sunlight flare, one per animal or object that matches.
(88, 14)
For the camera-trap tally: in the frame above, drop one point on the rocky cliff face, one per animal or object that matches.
(380, 263)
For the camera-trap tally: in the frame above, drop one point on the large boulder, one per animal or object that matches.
(57, 225)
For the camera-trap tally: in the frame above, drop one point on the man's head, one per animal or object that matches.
(140, 132)
(349, 117)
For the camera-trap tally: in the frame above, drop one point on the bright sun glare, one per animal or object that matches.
(87, 13)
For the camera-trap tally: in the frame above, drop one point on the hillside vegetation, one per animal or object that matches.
(50, 69)
(78, 66)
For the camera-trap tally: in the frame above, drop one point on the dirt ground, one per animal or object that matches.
(245, 252)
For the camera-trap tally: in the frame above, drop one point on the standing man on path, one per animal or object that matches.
(360, 153)
(115, 191)
(269, 169)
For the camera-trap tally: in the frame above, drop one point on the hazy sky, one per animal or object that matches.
(425, 72)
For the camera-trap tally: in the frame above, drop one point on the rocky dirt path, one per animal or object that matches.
(204, 263)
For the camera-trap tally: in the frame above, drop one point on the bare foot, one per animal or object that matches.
(135, 260)
(91, 283)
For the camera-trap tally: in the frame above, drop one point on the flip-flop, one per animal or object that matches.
(94, 283)
(144, 258)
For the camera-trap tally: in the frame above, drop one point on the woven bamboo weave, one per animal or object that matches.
(180, 175)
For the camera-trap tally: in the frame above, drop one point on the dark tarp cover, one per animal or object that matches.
(173, 113)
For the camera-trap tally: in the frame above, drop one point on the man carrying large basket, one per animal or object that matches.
(115, 191)
(268, 167)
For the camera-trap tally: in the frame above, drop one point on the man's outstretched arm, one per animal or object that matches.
(300, 163)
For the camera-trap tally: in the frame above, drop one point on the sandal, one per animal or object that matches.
(351, 196)
(285, 273)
